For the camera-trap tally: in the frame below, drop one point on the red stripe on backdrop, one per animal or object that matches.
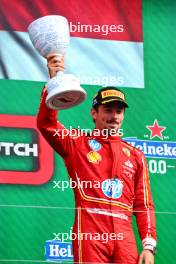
(16, 15)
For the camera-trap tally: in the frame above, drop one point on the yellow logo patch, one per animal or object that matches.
(94, 157)
(115, 93)
(126, 151)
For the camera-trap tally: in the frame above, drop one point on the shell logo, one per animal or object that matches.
(94, 157)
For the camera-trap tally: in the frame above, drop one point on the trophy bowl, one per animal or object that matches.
(50, 35)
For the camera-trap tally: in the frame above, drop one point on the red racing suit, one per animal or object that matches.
(120, 187)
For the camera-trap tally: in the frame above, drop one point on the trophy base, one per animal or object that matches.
(65, 99)
(64, 91)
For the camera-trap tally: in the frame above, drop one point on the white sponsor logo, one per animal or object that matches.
(129, 164)
(18, 149)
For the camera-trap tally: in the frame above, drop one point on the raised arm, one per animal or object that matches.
(52, 130)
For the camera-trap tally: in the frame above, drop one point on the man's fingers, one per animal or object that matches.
(52, 55)
(56, 64)
(55, 60)
(140, 259)
(55, 69)
(58, 68)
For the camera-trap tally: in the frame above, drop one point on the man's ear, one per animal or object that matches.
(93, 113)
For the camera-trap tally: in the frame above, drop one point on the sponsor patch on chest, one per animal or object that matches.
(94, 144)
(126, 151)
(128, 168)
(112, 188)
(94, 157)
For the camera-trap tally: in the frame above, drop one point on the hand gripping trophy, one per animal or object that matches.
(50, 35)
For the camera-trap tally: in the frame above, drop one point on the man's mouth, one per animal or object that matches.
(112, 123)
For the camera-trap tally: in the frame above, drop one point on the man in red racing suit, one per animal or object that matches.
(120, 182)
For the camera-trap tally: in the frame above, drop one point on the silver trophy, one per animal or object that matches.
(50, 35)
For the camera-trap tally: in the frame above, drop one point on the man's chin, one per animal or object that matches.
(112, 130)
(113, 127)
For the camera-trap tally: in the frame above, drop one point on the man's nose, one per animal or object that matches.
(114, 113)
